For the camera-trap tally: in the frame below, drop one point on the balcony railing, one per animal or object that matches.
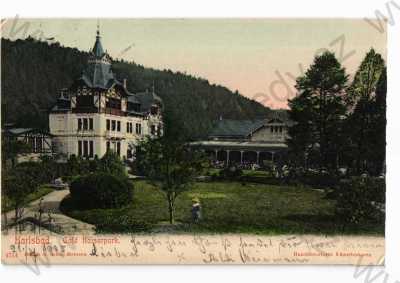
(114, 111)
(89, 109)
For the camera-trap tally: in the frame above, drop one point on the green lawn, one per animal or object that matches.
(228, 207)
(246, 172)
(256, 173)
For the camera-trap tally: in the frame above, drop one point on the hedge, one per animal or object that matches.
(101, 190)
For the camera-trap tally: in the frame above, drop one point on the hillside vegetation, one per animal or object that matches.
(34, 72)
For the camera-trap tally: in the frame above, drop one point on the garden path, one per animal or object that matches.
(59, 221)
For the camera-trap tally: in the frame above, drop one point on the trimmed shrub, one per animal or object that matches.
(111, 163)
(231, 172)
(101, 190)
(319, 179)
(361, 199)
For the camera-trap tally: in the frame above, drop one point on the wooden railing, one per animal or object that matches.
(114, 111)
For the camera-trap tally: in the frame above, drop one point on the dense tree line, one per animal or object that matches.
(340, 123)
(34, 72)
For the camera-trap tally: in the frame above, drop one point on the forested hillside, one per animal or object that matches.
(34, 72)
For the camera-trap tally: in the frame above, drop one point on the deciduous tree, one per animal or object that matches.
(169, 162)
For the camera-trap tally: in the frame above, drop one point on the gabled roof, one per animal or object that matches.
(133, 99)
(227, 128)
(98, 73)
(22, 131)
(57, 108)
(19, 131)
(280, 115)
(235, 128)
(147, 99)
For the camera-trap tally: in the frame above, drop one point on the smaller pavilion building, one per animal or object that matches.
(248, 141)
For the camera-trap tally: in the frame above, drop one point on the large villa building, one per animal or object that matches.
(97, 112)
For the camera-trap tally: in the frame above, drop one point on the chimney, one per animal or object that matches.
(124, 83)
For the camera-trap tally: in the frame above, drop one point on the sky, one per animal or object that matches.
(258, 57)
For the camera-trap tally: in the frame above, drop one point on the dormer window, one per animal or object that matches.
(154, 110)
(83, 101)
(133, 107)
(114, 103)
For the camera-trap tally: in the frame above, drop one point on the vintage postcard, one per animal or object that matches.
(193, 141)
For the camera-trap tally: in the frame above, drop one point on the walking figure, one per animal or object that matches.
(196, 210)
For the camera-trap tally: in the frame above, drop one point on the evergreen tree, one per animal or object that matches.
(318, 111)
(365, 79)
(360, 126)
(378, 141)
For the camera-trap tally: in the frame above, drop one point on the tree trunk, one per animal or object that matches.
(171, 210)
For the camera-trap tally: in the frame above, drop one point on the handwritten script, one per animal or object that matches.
(189, 249)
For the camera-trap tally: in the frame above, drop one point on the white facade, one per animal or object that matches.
(68, 137)
(273, 131)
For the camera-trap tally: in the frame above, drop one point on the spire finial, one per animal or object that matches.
(98, 28)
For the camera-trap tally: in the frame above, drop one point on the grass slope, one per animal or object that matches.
(227, 207)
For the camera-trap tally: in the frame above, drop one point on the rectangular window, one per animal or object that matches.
(79, 124)
(153, 129)
(79, 148)
(85, 148)
(108, 124)
(108, 146)
(91, 149)
(90, 123)
(129, 153)
(113, 125)
(131, 127)
(127, 127)
(85, 124)
(138, 129)
(118, 126)
(118, 148)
